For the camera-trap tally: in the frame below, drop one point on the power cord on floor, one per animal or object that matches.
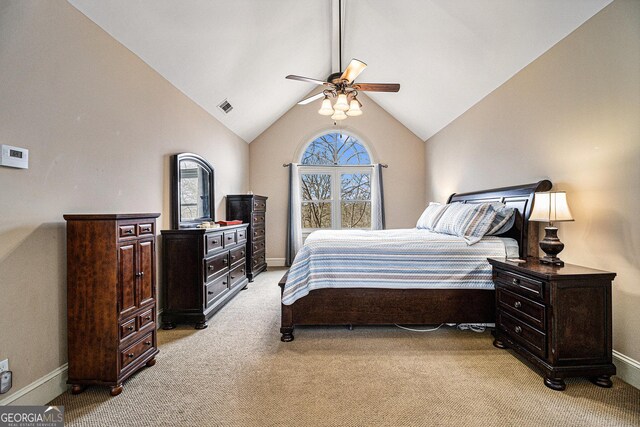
(475, 327)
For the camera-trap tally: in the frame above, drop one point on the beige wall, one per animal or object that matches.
(389, 141)
(573, 116)
(100, 125)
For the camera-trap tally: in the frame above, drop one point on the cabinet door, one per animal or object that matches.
(146, 271)
(127, 278)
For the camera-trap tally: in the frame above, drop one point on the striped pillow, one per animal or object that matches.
(431, 215)
(504, 220)
(469, 221)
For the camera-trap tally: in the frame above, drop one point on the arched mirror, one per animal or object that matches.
(192, 184)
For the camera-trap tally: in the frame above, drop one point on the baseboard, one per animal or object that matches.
(41, 391)
(275, 262)
(628, 369)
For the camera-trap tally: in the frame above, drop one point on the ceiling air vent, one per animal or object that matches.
(225, 106)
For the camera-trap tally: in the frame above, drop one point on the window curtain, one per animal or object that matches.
(377, 199)
(294, 216)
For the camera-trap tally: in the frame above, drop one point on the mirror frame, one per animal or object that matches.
(176, 223)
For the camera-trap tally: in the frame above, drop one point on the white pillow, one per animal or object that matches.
(469, 221)
(431, 215)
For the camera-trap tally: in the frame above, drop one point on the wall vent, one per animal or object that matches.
(225, 106)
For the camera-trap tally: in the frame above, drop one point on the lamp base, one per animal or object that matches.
(551, 246)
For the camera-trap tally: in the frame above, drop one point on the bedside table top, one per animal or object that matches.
(533, 267)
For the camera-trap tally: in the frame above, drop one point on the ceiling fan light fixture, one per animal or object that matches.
(341, 104)
(354, 108)
(339, 115)
(326, 109)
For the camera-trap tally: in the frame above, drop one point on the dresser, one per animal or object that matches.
(111, 298)
(202, 269)
(557, 318)
(251, 209)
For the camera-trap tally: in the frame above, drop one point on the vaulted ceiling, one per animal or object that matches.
(446, 54)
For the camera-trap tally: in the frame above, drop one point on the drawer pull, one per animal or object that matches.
(229, 237)
(145, 229)
(242, 253)
(128, 231)
(130, 355)
(224, 283)
(225, 261)
(233, 277)
(518, 329)
(233, 257)
(147, 318)
(210, 292)
(130, 328)
(147, 343)
(517, 304)
(515, 281)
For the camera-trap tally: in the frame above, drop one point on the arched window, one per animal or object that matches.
(335, 183)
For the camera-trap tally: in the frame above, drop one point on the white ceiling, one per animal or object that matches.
(446, 54)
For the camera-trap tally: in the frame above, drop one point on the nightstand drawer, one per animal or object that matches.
(523, 308)
(528, 337)
(521, 285)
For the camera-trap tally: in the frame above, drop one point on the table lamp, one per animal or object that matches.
(551, 207)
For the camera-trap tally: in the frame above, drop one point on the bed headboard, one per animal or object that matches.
(519, 197)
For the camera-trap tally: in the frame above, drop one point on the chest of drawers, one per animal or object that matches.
(558, 318)
(252, 210)
(111, 297)
(202, 269)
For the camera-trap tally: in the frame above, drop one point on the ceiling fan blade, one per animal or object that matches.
(308, 80)
(353, 70)
(311, 98)
(377, 87)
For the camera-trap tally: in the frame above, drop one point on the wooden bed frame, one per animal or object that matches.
(368, 306)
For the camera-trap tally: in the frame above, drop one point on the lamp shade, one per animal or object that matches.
(341, 104)
(354, 108)
(551, 207)
(326, 109)
(339, 115)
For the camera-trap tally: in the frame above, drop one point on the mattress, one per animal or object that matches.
(395, 259)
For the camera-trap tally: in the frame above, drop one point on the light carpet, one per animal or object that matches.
(237, 372)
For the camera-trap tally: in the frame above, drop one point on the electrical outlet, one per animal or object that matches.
(4, 365)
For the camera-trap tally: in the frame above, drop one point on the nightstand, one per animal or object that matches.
(557, 318)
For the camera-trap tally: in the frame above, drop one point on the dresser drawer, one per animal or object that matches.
(258, 246)
(216, 288)
(128, 328)
(257, 219)
(229, 238)
(128, 230)
(213, 242)
(241, 235)
(146, 318)
(522, 333)
(134, 351)
(258, 260)
(215, 265)
(146, 228)
(257, 233)
(237, 274)
(237, 254)
(521, 285)
(523, 308)
(259, 205)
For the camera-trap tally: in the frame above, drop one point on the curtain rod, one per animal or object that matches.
(384, 165)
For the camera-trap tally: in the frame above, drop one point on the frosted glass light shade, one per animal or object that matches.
(341, 104)
(551, 207)
(354, 108)
(339, 115)
(326, 109)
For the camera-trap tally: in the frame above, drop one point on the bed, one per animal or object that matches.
(369, 302)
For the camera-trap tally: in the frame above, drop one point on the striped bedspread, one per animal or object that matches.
(399, 259)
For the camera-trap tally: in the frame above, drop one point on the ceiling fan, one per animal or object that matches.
(342, 85)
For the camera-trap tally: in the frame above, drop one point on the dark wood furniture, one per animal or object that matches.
(557, 318)
(111, 298)
(202, 269)
(363, 306)
(251, 209)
